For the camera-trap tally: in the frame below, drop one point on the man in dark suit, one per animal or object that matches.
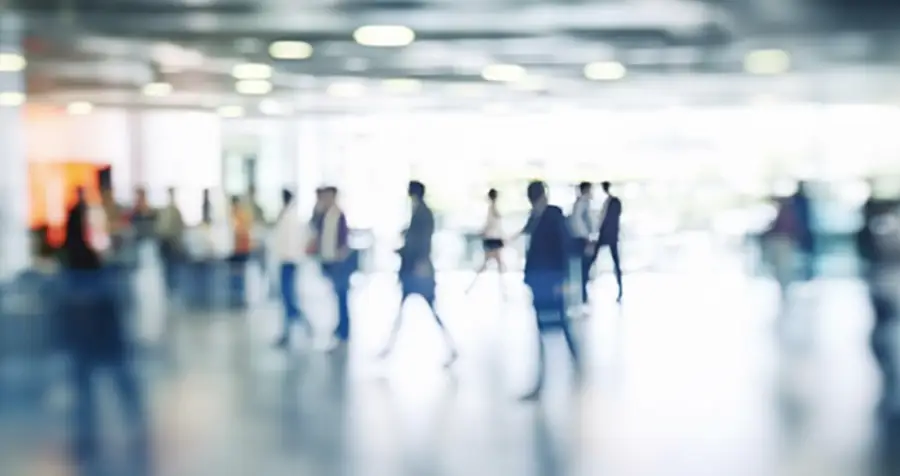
(546, 270)
(416, 268)
(609, 232)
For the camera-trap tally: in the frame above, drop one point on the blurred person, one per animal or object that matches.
(546, 272)
(260, 229)
(94, 330)
(582, 226)
(206, 208)
(416, 268)
(610, 219)
(288, 242)
(333, 250)
(170, 233)
(242, 229)
(492, 240)
(780, 244)
(143, 216)
(805, 233)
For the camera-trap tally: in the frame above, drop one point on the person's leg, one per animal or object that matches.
(617, 266)
(448, 340)
(287, 282)
(84, 419)
(395, 328)
(342, 288)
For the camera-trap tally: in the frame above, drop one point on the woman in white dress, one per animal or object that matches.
(492, 239)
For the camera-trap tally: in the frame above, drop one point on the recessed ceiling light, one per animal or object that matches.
(157, 89)
(11, 99)
(290, 50)
(766, 62)
(346, 90)
(79, 108)
(252, 71)
(253, 87)
(11, 62)
(402, 85)
(384, 35)
(505, 73)
(271, 107)
(230, 111)
(605, 71)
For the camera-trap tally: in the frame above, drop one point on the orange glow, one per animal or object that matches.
(53, 190)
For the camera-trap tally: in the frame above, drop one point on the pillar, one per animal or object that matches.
(14, 236)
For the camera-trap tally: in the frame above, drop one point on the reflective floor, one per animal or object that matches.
(694, 374)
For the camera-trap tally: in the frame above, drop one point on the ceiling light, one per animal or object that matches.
(157, 89)
(271, 107)
(11, 62)
(506, 73)
(605, 71)
(11, 99)
(290, 50)
(79, 108)
(346, 90)
(767, 62)
(230, 112)
(402, 85)
(384, 35)
(253, 87)
(252, 71)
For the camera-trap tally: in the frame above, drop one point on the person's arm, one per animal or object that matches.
(343, 237)
(562, 238)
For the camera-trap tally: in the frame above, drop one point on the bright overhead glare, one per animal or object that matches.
(11, 62)
(11, 99)
(270, 107)
(231, 111)
(80, 108)
(384, 35)
(529, 83)
(605, 71)
(290, 50)
(252, 71)
(157, 89)
(346, 90)
(402, 85)
(506, 73)
(253, 87)
(767, 62)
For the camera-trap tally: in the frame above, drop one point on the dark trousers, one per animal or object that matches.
(586, 260)
(170, 257)
(339, 276)
(84, 372)
(288, 286)
(617, 264)
(237, 279)
(547, 290)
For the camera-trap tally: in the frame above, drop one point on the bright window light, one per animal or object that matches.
(157, 89)
(11, 99)
(290, 50)
(767, 62)
(270, 107)
(80, 108)
(402, 85)
(11, 62)
(346, 90)
(252, 71)
(506, 73)
(253, 87)
(605, 71)
(384, 35)
(230, 112)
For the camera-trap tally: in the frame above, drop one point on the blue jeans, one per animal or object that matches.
(289, 293)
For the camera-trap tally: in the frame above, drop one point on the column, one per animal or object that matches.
(14, 236)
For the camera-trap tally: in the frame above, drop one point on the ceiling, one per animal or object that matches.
(671, 51)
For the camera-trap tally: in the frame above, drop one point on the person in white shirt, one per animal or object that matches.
(492, 239)
(289, 246)
(582, 226)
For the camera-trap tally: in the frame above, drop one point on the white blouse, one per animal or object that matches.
(493, 226)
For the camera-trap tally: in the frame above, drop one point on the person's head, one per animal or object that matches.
(80, 194)
(537, 193)
(606, 186)
(329, 196)
(170, 192)
(416, 191)
(585, 189)
(492, 195)
(287, 197)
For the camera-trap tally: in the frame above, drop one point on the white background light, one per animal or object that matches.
(271, 107)
(11, 62)
(504, 73)
(157, 89)
(290, 50)
(253, 87)
(402, 85)
(605, 71)
(252, 71)
(346, 90)
(11, 99)
(231, 111)
(80, 108)
(384, 35)
(767, 62)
